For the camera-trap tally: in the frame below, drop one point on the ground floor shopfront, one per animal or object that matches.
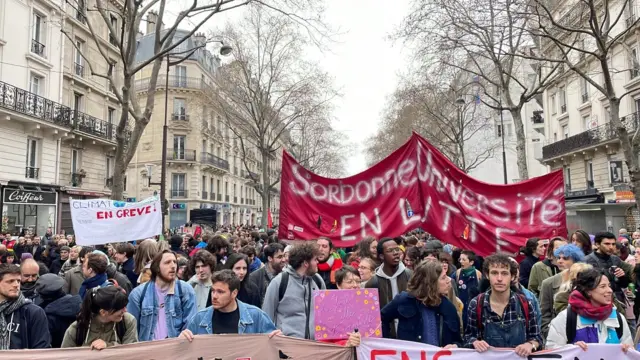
(594, 211)
(29, 207)
(227, 214)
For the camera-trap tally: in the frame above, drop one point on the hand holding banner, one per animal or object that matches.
(102, 221)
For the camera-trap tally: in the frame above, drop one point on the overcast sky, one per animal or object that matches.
(363, 63)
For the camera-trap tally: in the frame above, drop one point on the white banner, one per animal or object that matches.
(388, 349)
(102, 221)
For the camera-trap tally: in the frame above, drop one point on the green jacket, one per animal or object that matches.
(106, 332)
(539, 273)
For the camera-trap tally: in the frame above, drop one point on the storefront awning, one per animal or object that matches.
(578, 202)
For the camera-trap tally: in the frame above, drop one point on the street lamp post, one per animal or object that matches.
(224, 50)
(504, 154)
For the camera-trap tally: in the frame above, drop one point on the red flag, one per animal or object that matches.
(269, 219)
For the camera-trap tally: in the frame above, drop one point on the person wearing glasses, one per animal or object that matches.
(29, 273)
(366, 268)
(391, 278)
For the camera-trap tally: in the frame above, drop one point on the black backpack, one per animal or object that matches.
(284, 282)
(121, 329)
(572, 323)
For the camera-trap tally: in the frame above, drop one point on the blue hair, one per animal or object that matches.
(570, 251)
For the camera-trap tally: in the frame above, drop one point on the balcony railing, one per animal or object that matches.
(28, 103)
(219, 197)
(174, 81)
(226, 198)
(205, 195)
(241, 200)
(31, 172)
(592, 137)
(108, 182)
(585, 98)
(210, 159)
(212, 196)
(179, 117)
(76, 179)
(79, 69)
(179, 193)
(235, 199)
(252, 176)
(563, 109)
(37, 48)
(80, 16)
(181, 155)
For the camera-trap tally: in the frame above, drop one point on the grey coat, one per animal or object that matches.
(548, 289)
(73, 280)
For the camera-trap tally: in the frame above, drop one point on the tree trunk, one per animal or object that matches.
(521, 144)
(265, 188)
(630, 156)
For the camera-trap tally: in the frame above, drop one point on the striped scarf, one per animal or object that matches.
(7, 308)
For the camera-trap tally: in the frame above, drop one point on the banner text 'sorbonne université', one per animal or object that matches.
(387, 349)
(418, 187)
(102, 221)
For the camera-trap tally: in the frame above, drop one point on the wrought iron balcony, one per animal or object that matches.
(241, 200)
(226, 198)
(179, 117)
(108, 182)
(31, 172)
(563, 109)
(219, 197)
(80, 16)
(585, 97)
(252, 176)
(181, 155)
(235, 199)
(179, 193)
(79, 69)
(210, 159)
(212, 196)
(589, 138)
(204, 195)
(25, 102)
(37, 48)
(174, 81)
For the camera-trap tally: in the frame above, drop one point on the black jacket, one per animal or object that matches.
(127, 268)
(56, 265)
(61, 313)
(260, 278)
(27, 328)
(249, 294)
(525, 269)
(120, 278)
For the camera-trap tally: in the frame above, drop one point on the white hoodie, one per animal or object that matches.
(393, 279)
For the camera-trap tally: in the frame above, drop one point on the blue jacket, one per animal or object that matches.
(408, 310)
(179, 308)
(252, 321)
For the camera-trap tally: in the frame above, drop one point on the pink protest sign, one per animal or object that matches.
(339, 312)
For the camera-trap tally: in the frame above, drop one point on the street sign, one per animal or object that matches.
(130, 199)
(178, 206)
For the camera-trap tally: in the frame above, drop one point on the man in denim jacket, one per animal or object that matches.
(163, 305)
(230, 316)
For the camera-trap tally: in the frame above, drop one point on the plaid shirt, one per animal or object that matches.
(472, 334)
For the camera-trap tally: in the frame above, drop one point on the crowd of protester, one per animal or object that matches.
(238, 280)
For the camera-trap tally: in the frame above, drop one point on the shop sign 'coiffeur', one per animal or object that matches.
(17, 196)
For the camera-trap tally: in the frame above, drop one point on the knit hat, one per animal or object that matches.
(49, 284)
(26, 256)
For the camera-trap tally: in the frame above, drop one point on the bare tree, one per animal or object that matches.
(462, 131)
(268, 90)
(136, 112)
(318, 147)
(582, 42)
(480, 38)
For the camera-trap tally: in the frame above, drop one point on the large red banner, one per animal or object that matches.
(418, 187)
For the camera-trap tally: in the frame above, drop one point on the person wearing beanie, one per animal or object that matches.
(176, 243)
(61, 308)
(56, 264)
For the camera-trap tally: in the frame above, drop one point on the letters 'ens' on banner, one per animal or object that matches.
(418, 187)
(102, 221)
(387, 349)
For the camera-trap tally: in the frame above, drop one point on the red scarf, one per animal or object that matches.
(586, 309)
(332, 264)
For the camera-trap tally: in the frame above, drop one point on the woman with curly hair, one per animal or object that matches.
(427, 315)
